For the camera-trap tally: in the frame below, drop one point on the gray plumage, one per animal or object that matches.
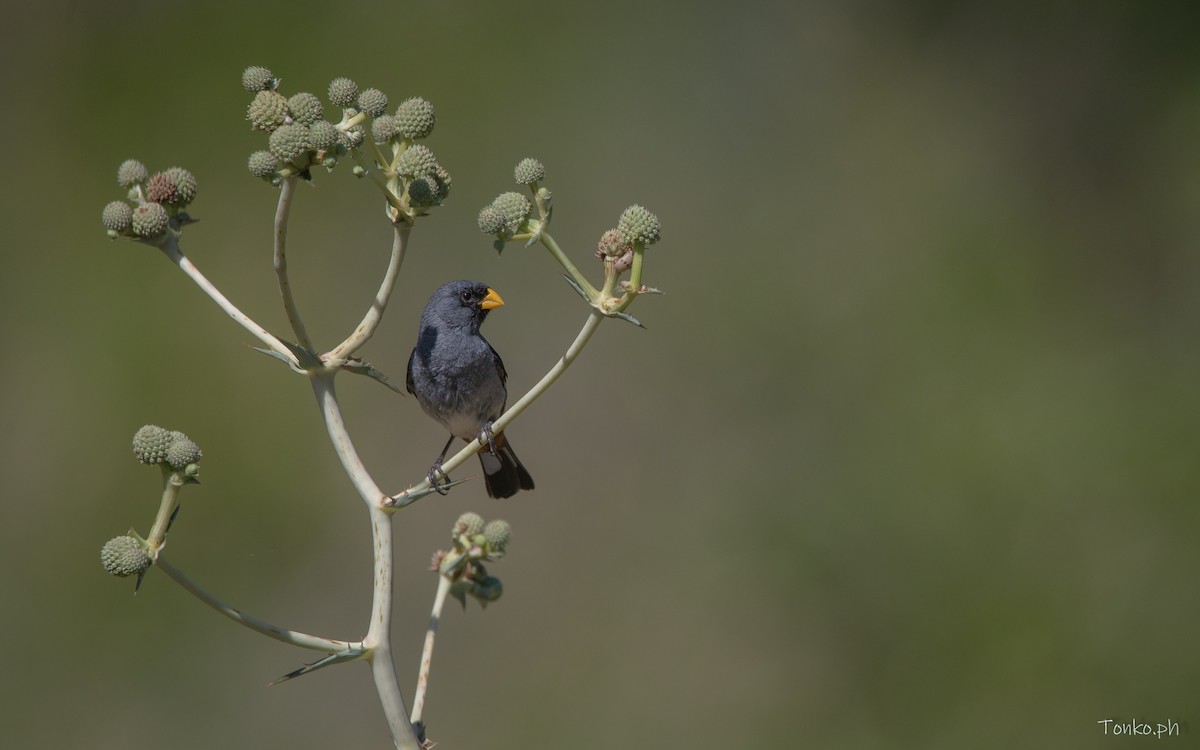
(459, 379)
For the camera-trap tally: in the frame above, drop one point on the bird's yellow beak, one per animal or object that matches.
(492, 300)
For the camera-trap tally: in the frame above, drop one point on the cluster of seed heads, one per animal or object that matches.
(299, 136)
(152, 201)
(475, 541)
(154, 445)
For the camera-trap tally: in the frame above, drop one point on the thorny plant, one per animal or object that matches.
(384, 147)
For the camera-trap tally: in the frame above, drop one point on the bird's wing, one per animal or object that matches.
(408, 379)
(499, 365)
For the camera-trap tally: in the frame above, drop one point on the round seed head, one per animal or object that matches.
(131, 172)
(529, 171)
(469, 524)
(498, 534)
(415, 117)
(185, 185)
(373, 101)
(491, 221)
(123, 556)
(267, 111)
(416, 161)
(514, 207)
(262, 164)
(342, 92)
(323, 135)
(182, 451)
(305, 108)
(160, 188)
(117, 216)
(423, 190)
(150, 444)
(257, 78)
(150, 220)
(289, 142)
(611, 245)
(639, 225)
(383, 128)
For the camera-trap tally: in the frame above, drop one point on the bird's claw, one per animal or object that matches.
(486, 436)
(439, 485)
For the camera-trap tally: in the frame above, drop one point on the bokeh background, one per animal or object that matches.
(906, 457)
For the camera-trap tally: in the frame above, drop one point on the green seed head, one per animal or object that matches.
(514, 207)
(498, 534)
(383, 128)
(468, 524)
(415, 117)
(123, 556)
(323, 135)
(182, 451)
(529, 171)
(423, 191)
(150, 444)
(150, 220)
(117, 216)
(342, 92)
(289, 142)
(639, 225)
(416, 161)
(262, 164)
(544, 194)
(185, 185)
(491, 221)
(373, 101)
(305, 108)
(131, 172)
(257, 78)
(267, 111)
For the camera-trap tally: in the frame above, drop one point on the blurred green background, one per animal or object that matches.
(906, 458)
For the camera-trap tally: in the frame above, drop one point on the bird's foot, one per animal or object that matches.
(486, 436)
(440, 485)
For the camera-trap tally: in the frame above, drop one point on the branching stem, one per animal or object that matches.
(303, 640)
(171, 247)
(374, 315)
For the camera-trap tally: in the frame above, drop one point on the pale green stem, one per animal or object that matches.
(170, 246)
(172, 484)
(635, 278)
(374, 315)
(439, 601)
(378, 638)
(303, 640)
(566, 263)
(418, 491)
(286, 191)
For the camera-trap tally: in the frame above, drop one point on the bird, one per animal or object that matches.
(459, 380)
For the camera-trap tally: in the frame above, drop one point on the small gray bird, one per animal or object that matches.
(458, 380)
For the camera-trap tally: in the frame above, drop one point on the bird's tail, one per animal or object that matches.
(503, 473)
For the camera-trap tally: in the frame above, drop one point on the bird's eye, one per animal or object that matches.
(466, 297)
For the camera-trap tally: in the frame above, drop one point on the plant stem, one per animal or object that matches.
(439, 601)
(303, 640)
(285, 288)
(374, 315)
(166, 508)
(547, 240)
(416, 492)
(171, 247)
(378, 638)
